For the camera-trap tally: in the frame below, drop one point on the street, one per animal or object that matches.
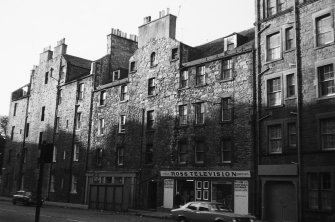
(20, 213)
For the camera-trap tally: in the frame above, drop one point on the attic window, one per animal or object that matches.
(116, 75)
(174, 54)
(230, 43)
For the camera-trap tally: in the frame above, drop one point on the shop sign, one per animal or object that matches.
(168, 183)
(179, 173)
(241, 197)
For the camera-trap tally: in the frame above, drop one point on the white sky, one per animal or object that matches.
(27, 26)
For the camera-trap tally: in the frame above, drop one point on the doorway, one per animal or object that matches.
(152, 195)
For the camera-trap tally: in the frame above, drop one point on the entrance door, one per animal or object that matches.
(280, 201)
(202, 190)
(186, 190)
(152, 194)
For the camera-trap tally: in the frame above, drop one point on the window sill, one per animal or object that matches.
(153, 66)
(151, 96)
(199, 86)
(121, 133)
(101, 135)
(101, 106)
(225, 163)
(326, 97)
(290, 98)
(323, 46)
(289, 50)
(124, 101)
(184, 88)
(131, 72)
(225, 80)
(275, 107)
(271, 61)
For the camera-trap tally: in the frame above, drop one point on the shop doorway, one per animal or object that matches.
(186, 190)
(152, 194)
(280, 201)
(222, 192)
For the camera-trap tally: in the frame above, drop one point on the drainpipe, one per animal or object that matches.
(299, 106)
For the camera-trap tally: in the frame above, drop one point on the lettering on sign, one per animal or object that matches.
(205, 173)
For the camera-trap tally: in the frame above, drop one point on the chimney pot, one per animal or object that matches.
(168, 11)
(163, 13)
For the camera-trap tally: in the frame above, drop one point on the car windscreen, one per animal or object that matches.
(218, 207)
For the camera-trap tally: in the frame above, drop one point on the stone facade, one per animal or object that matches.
(292, 115)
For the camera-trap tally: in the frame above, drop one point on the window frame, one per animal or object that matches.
(132, 66)
(227, 150)
(52, 183)
(60, 97)
(286, 38)
(267, 45)
(320, 118)
(174, 54)
(57, 124)
(197, 151)
(153, 60)
(124, 92)
(267, 78)
(227, 68)
(99, 156)
(101, 127)
(102, 98)
(182, 155)
(318, 65)
(78, 120)
(281, 138)
(184, 79)
(150, 119)
(117, 74)
(122, 123)
(152, 86)
(46, 78)
(54, 154)
(120, 155)
(43, 113)
(200, 75)
(15, 109)
(318, 15)
(277, 8)
(74, 184)
(199, 113)
(230, 109)
(76, 151)
(183, 115)
(317, 186)
(81, 89)
(149, 154)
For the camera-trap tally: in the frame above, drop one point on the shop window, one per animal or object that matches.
(150, 120)
(184, 79)
(182, 152)
(324, 29)
(199, 109)
(226, 151)
(183, 115)
(326, 80)
(222, 192)
(200, 75)
(199, 152)
(99, 157)
(226, 109)
(274, 92)
(149, 154)
(102, 100)
(227, 69)
(320, 191)
(120, 156)
(327, 131)
(124, 93)
(275, 139)
(273, 47)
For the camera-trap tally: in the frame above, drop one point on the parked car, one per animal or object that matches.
(207, 211)
(25, 198)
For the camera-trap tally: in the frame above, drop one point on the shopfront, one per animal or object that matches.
(231, 188)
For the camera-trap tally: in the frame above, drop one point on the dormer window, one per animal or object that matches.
(230, 42)
(116, 75)
(152, 59)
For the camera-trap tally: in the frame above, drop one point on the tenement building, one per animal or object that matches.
(296, 112)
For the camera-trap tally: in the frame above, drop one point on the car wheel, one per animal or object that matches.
(182, 219)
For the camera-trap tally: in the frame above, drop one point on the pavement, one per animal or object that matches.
(142, 213)
(160, 214)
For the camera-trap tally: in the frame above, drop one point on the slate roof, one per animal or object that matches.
(79, 62)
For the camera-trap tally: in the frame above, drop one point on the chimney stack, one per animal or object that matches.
(60, 49)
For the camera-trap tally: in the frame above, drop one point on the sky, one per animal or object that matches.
(28, 26)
